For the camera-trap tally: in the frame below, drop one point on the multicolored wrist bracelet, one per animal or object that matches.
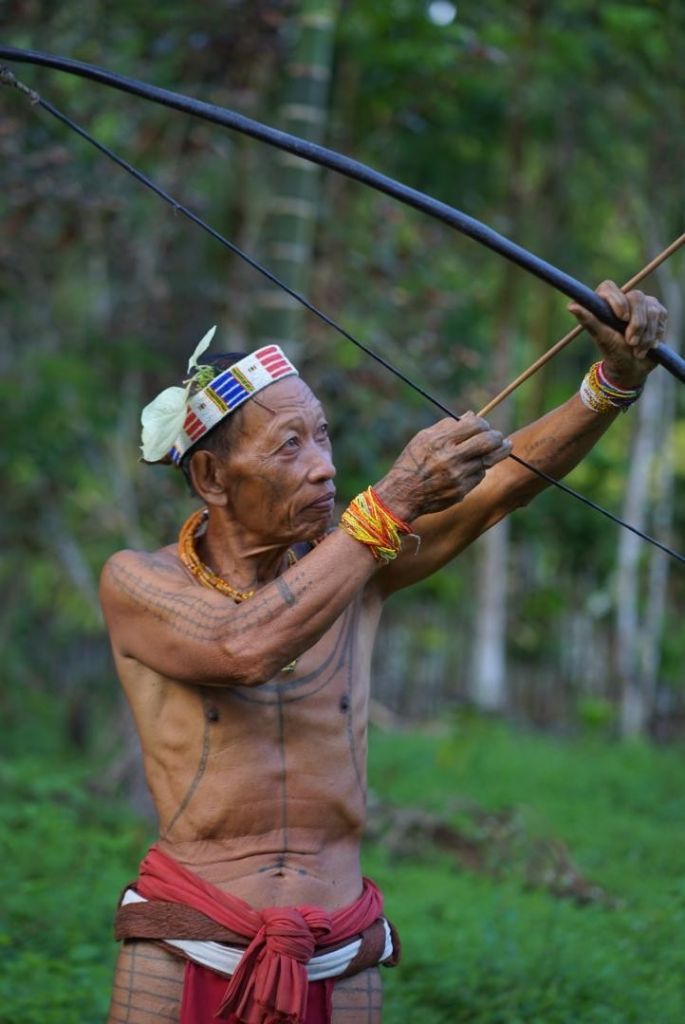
(599, 394)
(368, 520)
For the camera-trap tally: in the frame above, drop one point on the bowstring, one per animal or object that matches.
(8, 78)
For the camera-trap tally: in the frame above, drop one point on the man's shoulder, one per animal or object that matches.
(164, 560)
(127, 568)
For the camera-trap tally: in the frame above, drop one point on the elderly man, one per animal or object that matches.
(245, 652)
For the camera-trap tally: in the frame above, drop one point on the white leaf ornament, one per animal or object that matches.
(202, 347)
(162, 420)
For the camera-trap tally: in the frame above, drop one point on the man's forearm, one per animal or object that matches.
(555, 443)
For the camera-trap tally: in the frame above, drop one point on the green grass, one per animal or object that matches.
(65, 858)
(477, 948)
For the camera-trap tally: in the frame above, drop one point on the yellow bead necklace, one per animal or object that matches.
(203, 574)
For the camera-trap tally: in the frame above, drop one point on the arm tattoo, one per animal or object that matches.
(285, 592)
(191, 613)
(552, 445)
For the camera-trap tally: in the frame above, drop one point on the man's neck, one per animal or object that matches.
(244, 560)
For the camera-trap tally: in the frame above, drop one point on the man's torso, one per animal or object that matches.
(261, 790)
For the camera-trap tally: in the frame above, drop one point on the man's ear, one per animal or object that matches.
(207, 477)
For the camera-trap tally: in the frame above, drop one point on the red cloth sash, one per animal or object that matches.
(204, 991)
(270, 983)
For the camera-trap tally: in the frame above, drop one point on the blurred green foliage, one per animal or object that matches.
(557, 124)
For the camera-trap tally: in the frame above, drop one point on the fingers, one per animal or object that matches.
(619, 302)
(655, 318)
(475, 464)
(645, 319)
(489, 448)
(502, 451)
(471, 436)
(467, 448)
(476, 448)
(442, 464)
(457, 431)
(637, 326)
(648, 319)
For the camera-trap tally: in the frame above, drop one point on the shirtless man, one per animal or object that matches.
(252, 712)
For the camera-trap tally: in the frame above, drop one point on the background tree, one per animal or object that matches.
(291, 202)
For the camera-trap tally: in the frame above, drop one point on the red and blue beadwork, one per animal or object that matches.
(229, 389)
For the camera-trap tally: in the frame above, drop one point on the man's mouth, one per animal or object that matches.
(324, 503)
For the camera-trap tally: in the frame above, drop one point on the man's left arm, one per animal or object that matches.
(555, 444)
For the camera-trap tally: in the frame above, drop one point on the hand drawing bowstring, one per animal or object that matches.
(574, 289)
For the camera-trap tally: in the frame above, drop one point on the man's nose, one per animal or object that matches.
(321, 466)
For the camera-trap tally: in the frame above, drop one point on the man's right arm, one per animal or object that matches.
(159, 615)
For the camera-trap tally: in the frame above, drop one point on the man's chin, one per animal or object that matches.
(317, 527)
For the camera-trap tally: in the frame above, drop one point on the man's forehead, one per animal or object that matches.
(281, 399)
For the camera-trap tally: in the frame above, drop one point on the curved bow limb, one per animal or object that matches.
(358, 171)
(6, 77)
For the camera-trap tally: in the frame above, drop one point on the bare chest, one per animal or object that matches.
(309, 721)
(224, 762)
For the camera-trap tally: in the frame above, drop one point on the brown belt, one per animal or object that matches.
(158, 920)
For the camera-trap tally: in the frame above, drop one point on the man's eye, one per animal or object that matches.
(292, 442)
(323, 430)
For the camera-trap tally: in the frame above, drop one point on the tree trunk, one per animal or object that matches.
(489, 690)
(291, 209)
(641, 598)
(488, 676)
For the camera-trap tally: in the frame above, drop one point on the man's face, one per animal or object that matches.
(279, 472)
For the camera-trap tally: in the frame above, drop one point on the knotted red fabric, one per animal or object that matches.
(270, 983)
(203, 993)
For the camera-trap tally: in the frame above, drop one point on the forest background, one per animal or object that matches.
(561, 126)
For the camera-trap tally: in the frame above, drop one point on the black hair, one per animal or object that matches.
(217, 438)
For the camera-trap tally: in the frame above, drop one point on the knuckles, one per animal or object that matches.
(445, 446)
(444, 462)
(641, 311)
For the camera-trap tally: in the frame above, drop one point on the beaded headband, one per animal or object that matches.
(176, 420)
